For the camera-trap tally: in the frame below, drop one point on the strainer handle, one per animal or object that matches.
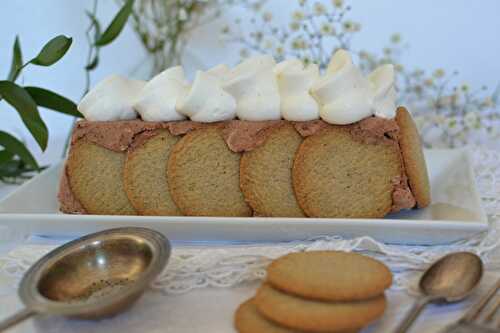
(16, 319)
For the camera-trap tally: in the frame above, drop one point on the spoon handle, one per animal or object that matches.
(16, 319)
(412, 315)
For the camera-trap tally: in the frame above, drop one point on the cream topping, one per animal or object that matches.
(255, 89)
(159, 98)
(384, 99)
(345, 96)
(206, 101)
(294, 82)
(111, 99)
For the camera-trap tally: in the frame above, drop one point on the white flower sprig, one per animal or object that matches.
(447, 113)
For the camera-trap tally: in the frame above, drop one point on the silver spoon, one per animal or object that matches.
(93, 277)
(450, 279)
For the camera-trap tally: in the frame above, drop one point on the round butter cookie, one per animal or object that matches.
(317, 316)
(334, 175)
(247, 319)
(203, 175)
(329, 275)
(413, 157)
(145, 174)
(266, 174)
(95, 175)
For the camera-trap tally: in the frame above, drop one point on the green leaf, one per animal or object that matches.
(17, 61)
(14, 146)
(53, 101)
(21, 100)
(116, 26)
(54, 50)
(5, 156)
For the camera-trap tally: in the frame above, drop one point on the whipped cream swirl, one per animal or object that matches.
(207, 101)
(255, 89)
(294, 82)
(111, 99)
(345, 96)
(159, 98)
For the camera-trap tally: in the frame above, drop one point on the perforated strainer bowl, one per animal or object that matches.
(93, 277)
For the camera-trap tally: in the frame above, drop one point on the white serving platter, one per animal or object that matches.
(455, 214)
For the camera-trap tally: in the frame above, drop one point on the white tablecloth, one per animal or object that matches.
(211, 310)
(203, 310)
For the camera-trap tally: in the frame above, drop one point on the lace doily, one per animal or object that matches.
(228, 266)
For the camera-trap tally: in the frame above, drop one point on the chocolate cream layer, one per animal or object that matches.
(240, 136)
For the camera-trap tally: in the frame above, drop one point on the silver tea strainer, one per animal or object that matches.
(93, 277)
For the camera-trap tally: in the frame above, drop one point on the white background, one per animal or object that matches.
(453, 34)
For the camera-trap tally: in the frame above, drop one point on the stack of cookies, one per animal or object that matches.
(319, 291)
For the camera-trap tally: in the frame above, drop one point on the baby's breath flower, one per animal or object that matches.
(298, 43)
(387, 51)
(438, 73)
(302, 2)
(319, 8)
(294, 26)
(347, 25)
(327, 29)
(350, 26)
(451, 125)
(337, 3)
(398, 67)
(396, 38)
(280, 51)
(429, 82)
(464, 87)
(298, 15)
(267, 16)
(258, 35)
(225, 29)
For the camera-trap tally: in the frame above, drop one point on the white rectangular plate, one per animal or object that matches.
(455, 213)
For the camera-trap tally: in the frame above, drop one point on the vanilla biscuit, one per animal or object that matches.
(336, 175)
(317, 316)
(329, 275)
(203, 175)
(95, 175)
(247, 319)
(266, 174)
(145, 173)
(413, 157)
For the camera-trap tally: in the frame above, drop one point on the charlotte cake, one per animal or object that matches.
(259, 139)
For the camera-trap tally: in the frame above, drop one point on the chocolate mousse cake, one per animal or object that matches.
(260, 139)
